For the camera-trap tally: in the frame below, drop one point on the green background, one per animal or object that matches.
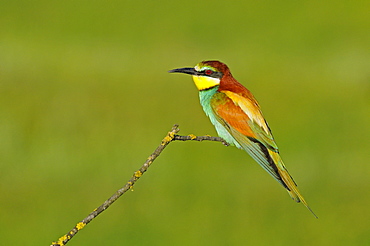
(85, 98)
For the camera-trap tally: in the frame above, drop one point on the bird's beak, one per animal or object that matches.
(187, 70)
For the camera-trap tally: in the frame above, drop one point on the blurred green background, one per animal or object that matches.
(85, 98)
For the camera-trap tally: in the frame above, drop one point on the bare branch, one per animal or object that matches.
(200, 138)
(171, 136)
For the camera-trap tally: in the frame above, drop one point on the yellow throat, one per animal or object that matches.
(204, 82)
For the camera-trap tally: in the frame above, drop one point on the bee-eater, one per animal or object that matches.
(238, 119)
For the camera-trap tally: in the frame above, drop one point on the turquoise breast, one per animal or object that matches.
(205, 100)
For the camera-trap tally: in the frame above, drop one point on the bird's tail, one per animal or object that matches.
(288, 181)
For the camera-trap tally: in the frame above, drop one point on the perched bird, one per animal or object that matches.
(238, 119)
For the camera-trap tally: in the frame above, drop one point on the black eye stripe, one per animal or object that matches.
(212, 74)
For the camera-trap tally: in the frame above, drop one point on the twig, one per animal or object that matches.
(171, 136)
(200, 138)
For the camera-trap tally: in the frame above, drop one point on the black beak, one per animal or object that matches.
(187, 70)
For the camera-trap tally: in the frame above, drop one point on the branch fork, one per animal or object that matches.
(171, 136)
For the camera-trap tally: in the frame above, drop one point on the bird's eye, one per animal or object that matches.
(208, 72)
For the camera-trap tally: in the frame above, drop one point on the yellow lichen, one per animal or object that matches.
(138, 174)
(168, 138)
(61, 240)
(80, 225)
(192, 136)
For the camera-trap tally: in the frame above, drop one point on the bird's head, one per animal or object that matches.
(206, 74)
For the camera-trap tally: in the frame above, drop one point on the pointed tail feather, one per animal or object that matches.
(271, 162)
(294, 192)
(289, 182)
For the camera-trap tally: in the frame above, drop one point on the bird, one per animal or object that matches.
(238, 119)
